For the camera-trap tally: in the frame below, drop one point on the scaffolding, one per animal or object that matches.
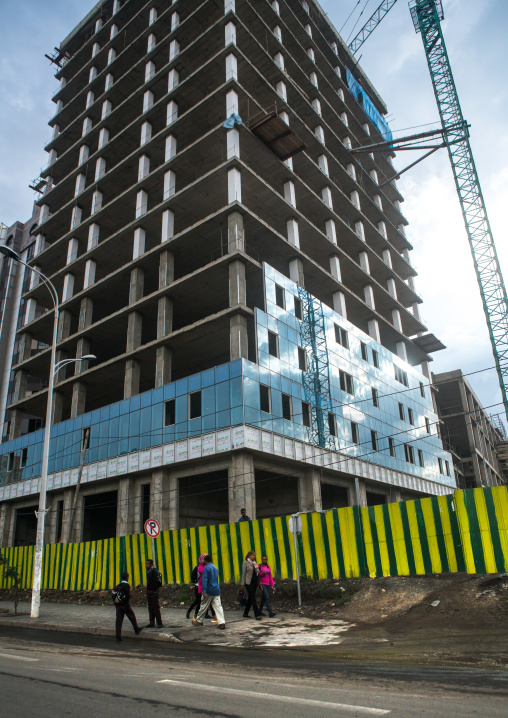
(316, 375)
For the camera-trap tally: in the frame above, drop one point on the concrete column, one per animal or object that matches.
(85, 313)
(241, 485)
(309, 491)
(238, 337)
(5, 520)
(358, 493)
(335, 268)
(66, 517)
(82, 349)
(125, 512)
(368, 293)
(163, 362)
(25, 346)
(134, 328)
(57, 407)
(174, 502)
(78, 399)
(20, 385)
(296, 272)
(236, 237)
(160, 497)
(396, 320)
(64, 325)
(132, 375)
(237, 285)
(373, 328)
(17, 417)
(137, 284)
(166, 268)
(339, 304)
(395, 495)
(164, 317)
(401, 350)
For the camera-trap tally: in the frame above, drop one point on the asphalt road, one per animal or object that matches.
(60, 675)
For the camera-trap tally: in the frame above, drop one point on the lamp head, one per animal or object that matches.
(10, 253)
(86, 357)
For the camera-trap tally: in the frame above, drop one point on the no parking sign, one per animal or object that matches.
(152, 528)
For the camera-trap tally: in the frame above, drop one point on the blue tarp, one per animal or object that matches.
(369, 107)
(232, 120)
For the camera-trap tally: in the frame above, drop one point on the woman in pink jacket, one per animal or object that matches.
(266, 581)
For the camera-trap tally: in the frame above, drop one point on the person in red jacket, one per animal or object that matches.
(266, 581)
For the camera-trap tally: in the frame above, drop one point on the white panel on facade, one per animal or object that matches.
(351, 170)
(360, 230)
(141, 203)
(281, 90)
(168, 225)
(138, 246)
(373, 327)
(316, 106)
(92, 74)
(72, 250)
(174, 50)
(106, 109)
(278, 33)
(279, 60)
(113, 32)
(311, 54)
(93, 236)
(171, 113)
(52, 157)
(326, 196)
(339, 304)
(293, 233)
(80, 184)
(374, 177)
(149, 70)
(401, 350)
(231, 103)
(392, 287)
(96, 202)
(76, 216)
(343, 117)
(96, 48)
(87, 126)
(276, 6)
(355, 199)
(289, 193)
(111, 56)
(231, 67)
(152, 17)
(170, 150)
(340, 93)
(323, 164)
(346, 141)
(378, 201)
(90, 99)
(387, 257)
(169, 184)
(364, 262)
(103, 138)
(230, 34)
(308, 30)
(229, 6)
(31, 308)
(232, 144)
(151, 42)
(108, 84)
(100, 168)
(331, 230)
(234, 186)
(175, 21)
(147, 100)
(68, 287)
(335, 268)
(146, 133)
(89, 278)
(173, 80)
(320, 134)
(143, 167)
(314, 79)
(382, 229)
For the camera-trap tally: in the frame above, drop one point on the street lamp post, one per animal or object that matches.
(53, 369)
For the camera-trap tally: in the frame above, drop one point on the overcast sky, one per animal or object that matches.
(393, 58)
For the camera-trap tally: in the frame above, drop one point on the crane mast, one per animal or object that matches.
(427, 16)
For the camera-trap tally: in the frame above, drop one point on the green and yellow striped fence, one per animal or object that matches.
(464, 531)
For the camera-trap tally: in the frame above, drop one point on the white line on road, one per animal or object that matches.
(283, 699)
(17, 658)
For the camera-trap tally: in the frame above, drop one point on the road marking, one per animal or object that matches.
(282, 699)
(17, 658)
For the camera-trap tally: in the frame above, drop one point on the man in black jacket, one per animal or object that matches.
(152, 588)
(123, 590)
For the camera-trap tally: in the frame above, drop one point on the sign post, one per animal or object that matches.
(152, 530)
(295, 526)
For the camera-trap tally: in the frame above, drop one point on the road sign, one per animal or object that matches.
(295, 524)
(152, 528)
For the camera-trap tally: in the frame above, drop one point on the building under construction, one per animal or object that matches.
(242, 277)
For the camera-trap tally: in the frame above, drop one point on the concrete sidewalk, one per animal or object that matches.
(288, 629)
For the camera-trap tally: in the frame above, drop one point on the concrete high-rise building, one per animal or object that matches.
(243, 279)
(476, 440)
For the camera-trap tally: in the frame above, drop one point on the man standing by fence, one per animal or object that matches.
(153, 583)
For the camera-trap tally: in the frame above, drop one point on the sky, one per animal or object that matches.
(394, 60)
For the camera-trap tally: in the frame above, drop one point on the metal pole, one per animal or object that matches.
(41, 514)
(297, 571)
(86, 443)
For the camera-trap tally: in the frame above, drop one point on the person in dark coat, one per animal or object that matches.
(124, 608)
(250, 581)
(152, 595)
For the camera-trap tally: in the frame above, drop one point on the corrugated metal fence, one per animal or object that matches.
(464, 531)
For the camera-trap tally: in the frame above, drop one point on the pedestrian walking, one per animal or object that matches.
(250, 582)
(153, 583)
(243, 516)
(198, 590)
(121, 599)
(266, 581)
(210, 594)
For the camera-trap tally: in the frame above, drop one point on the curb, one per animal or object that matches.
(151, 636)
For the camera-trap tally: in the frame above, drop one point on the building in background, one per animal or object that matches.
(244, 280)
(476, 440)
